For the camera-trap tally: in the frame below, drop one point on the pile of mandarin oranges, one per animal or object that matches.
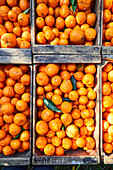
(58, 24)
(14, 108)
(107, 38)
(15, 24)
(72, 127)
(107, 107)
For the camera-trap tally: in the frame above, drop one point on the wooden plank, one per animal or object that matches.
(67, 49)
(66, 58)
(15, 51)
(107, 159)
(107, 57)
(19, 159)
(16, 59)
(78, 156)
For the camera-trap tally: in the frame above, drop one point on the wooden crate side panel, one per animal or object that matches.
(71, 157)
(67, 49)
(63, 160)
(66, 59)
(19, 159)
(16, 59)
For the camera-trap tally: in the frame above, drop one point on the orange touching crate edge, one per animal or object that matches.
(21, 158)
(71, 157)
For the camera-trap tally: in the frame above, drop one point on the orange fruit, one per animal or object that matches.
(70, 21)
(107, 148)
(80, 142)
(14, 129)
(66, 86)
(73, 95)
(15, 144)
(50, 134)
(75, 113)
(57, 99)
(2, 134)
(41, 142)
(41, 127)
(47, 115)
(110, 130)
(42, 79)
(61, 134)
(72, 131)
(107, 138)
(49, 149)
(85, 114)
(55, 124)
(56, 141)
(59, 151)
(25, 136)
(42, 10)
(66, 119)
(66, 143)
(66, 107)
(107, 101)
(7, 150)
(64, 11)
(51, 69)
(110, 76)
(90, 143)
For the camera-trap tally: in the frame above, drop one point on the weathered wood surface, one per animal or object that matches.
(19, 159)
(16, 59)
(15, 51)
(78, 156)
(107, 50)
(66, 58)
(107, 159)
(107, 57)
(67, 49)
(65, 160)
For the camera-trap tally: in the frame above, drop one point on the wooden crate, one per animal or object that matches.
(19, 159)
(78, 156)
(67, 49)
(105, 50)
(18, 51)
(66, 58)
(107, 159)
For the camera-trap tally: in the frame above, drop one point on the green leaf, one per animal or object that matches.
(67, 100)
(50, 105)
(26, 11)
(16, 136)
(22, 129)
(73, 81)
(78, 167)
(74, 6)
(72, 2)
(63, 127)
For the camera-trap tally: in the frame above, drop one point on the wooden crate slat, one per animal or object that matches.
(16, 59)
(66, 58)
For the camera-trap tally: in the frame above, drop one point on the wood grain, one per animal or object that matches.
(66, 59)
